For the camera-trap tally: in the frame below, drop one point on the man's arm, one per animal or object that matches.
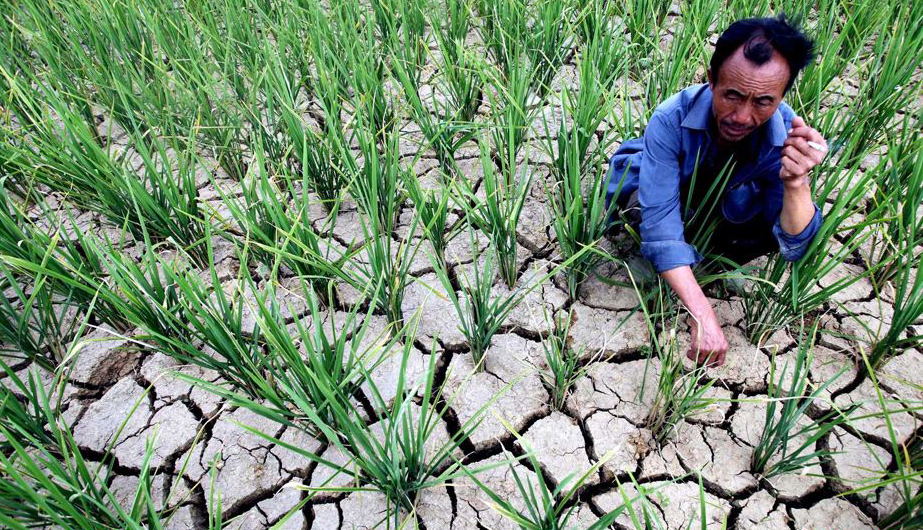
(798, 158)
(708, 341)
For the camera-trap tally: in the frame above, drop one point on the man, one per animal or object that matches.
(737, 120)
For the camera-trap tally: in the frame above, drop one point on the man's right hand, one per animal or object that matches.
(708, 344)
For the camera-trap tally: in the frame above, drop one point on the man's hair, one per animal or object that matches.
(759, 37)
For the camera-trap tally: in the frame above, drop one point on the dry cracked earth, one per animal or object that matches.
(114, 382)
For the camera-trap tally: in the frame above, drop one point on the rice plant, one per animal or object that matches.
(480, 314)
(643, 21)
(278, 228)
(901, 194)
(891, 85)
(544, 508)
(668, 75)
(680, 393)
(432, 209)
(458, 77)
(787, 443)
(47, 480)
(497, 214)
(398, 456)
(443, 133)
(564, 365)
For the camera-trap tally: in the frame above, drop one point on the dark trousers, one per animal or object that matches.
(737, 242)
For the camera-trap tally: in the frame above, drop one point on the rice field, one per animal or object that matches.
(343, 265)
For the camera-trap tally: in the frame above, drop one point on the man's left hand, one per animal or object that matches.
(799, 156)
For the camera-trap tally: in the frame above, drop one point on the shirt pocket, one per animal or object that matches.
(741, 202)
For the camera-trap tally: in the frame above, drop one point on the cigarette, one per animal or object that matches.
(817, 147)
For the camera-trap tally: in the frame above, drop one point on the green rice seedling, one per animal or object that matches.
(405, 36)
(510, 101)
(840, 42)
(365, 60)
(318, 160)
(901, 194)
(679, 393)
(458, 77)
(165, 199)
(669, 75)
(480, 314)
(388, 267)
(643, 21)
(497, 214)
(564, 366)
(398, 455)
(315, 350)
(601, 62)
(580, 219)
(892, 86)
(47, 479)
(579, 212)
(787, 444)
(376, 178)
(442, 132)
(777, 299)
(905, 470)
(161, 202)
(278, 229)
(504, 32)
(544, 508)
(551, 39)
(378, 192)
(432, 207)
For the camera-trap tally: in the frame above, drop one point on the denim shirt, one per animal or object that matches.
(663, 161)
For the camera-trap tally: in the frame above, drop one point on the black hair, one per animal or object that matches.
(759, 37)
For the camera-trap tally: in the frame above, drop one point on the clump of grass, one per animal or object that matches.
(458, 74)
(787, 443)
(377, 188)
(432, 208)
(564, 366)
(277, 227)
(497, 214)
(680, 393)
(397, 456)
(544, 508)
(579, 213)
(906, 469)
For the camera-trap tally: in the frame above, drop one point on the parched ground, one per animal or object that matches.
(113, 382)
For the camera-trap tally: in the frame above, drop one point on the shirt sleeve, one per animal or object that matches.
(792, 247)
(662, 239)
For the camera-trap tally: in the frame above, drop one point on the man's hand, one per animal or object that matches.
(708, 344)
(803, 149)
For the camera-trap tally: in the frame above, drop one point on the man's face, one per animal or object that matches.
(746, 95)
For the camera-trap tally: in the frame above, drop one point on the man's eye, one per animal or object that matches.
(733, 97)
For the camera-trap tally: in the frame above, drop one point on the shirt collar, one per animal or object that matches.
(699, 114)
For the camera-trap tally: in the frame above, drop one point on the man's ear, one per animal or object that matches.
(711, 83)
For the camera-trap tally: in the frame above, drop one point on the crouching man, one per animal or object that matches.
(737, 120)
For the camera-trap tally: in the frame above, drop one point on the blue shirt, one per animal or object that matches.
(659, 164)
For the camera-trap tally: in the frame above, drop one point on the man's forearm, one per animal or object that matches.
(797, 209)
(686, 287)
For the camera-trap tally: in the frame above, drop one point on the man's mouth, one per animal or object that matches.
(736, 130)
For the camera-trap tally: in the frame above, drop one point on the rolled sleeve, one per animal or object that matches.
(794, 247)
(662, 239)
